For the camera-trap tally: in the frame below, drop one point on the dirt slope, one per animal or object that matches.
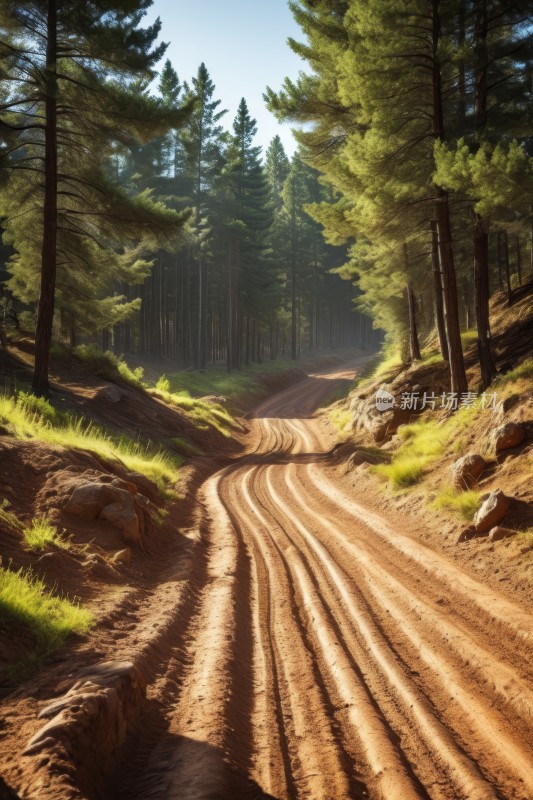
(299, 644)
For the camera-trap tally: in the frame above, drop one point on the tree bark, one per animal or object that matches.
(481, 278)
(453, 332)
(45, 311)
(439, 300)
(414, 346)
(505, 242)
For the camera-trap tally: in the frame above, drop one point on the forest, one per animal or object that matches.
(266, 413)
(135, 222)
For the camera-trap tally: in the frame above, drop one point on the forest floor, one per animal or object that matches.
(298, 636)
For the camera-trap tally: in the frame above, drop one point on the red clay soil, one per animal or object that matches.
(297, 642)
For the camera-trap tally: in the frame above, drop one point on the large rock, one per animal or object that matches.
(491, 512)
(112, 393)
(507, 436)
(89, 499)
(498, 533)
(112, 503)
(146, 486)
(371, 414)
(123, 516)
(466, 471)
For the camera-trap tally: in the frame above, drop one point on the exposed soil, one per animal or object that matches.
(298, 642)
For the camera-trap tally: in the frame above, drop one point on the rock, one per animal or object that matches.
(505, 405)
(147, 487)
(466, 470)
(491, 512)
(361, 457)
(122, 556)
(89, 499)
(122, 514)
(498, 533)
(111, 393)
(507, 436)
(128, 486)
(466, 534)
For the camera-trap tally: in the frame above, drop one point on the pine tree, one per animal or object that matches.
(71, 102)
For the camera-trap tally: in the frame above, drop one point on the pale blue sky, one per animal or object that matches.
(243, 44)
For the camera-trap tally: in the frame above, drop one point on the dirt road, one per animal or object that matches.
(331, 656)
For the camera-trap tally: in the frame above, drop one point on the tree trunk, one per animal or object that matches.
(481, 278)
(453, 331)
(505, 242)
(439, 300)
(414, 346)
(45, 311)
(518, 259)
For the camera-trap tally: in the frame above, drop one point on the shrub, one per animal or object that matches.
(41, 534)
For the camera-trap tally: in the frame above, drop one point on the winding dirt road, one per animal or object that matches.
(324, 654)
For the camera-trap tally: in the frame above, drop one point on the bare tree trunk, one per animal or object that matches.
(481, 278)
(439, 300)
(45, 310)
(414, 346)
(518, 259)
(453, 331)
(505, 242)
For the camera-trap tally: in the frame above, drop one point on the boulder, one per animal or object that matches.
(466, 534)
(505, 405)
(359, 457)
(147, 487)
(122, 556)
(498, 533)
(111, 393)
(123, 516)
(127, 485)
(507, 436)
(466, 471)
(491, 512)
(89, 499)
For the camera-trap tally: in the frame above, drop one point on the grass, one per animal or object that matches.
(402, 472)
(218, 380)
(422, 443)
(25, 600)
(341, 418)
(28, 417)
(469, 337)
(464, 503)
(41, 534)
(104, 364)
(204, 414)
(523, 371)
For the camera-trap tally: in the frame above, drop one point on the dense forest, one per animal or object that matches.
(421, 125)
(134, 221)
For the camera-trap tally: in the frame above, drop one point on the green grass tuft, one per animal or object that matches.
(402, 472)
(24, 599)
(465, 503)
(41, 534)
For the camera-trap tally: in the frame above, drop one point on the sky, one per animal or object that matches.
(243, 44)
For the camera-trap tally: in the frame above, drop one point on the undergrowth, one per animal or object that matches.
(203, 413)
(465, 503)
(29, 417)
(104, 364)
(423, 442)
(25, 600)
(41, 534)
